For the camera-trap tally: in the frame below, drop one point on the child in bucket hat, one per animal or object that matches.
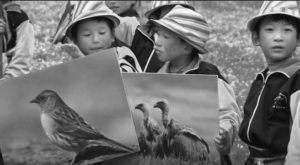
(92, 30)
(143, 44)
(180, 39)
(273, 98)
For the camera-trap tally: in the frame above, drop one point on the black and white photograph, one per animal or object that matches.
(176, 116)
(72, 117)
(251, 48)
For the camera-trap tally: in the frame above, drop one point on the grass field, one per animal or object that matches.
(229, 45)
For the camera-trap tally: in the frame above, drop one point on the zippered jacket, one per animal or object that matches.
(267, 111)
(143, 48)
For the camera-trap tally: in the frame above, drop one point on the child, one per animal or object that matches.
(129, 19)
(18, 40)
(143, 44)
(272, 100)
(179, 46)
(92, 30)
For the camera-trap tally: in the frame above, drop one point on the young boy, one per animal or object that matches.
(128, 17)
(143, 44)
(92, 30)
(273, 98)
(179, 47)
(18, 40)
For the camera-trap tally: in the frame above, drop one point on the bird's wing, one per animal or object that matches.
(75, 126)
(188, 131)
(70, 122)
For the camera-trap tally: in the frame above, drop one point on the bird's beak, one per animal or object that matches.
(155, 105)
(137, 106)
(34, 101)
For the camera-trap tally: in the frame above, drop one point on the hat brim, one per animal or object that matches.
(252, 23)
(201, 49)
(114, 19)
(150, 12)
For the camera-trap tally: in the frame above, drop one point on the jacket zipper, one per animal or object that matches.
(256, 106)
(150, 57)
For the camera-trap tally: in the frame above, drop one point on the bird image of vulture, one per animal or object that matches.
(182, 141)
(69, 131)
(148, 138)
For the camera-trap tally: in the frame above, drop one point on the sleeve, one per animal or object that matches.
(23, 52)
(293, 155)
(229, 112)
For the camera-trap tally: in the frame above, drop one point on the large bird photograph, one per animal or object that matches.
(176, 117)
(71, 113)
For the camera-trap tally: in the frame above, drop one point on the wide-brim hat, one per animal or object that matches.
(188, 25)
(90, 9)
(289, 8)
(157, 5)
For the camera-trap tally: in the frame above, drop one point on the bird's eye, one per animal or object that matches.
(42, 98)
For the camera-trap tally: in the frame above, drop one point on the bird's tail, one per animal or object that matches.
(96, 154)
(101, 150)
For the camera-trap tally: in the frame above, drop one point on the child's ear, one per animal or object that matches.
(187, 47)
(255, 39)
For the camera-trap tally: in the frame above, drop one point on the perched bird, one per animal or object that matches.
(182, 141)
(68, 130)
(152, 130)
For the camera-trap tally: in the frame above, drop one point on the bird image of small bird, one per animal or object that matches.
(182, 141)
(152, 129)
(69, 131)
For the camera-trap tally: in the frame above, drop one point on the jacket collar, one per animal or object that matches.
(194, 65)
(287, 68)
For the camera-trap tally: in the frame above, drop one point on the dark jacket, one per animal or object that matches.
(143, 48)
(267, 113)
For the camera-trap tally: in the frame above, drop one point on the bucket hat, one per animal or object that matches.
(89, 9)
(157, 5)
(189, 25)
(289, 8)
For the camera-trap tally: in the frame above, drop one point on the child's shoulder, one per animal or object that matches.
(296, 76)
(16, 15)
(210, 69)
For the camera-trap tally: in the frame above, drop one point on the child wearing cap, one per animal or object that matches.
(92, 30)
(179, 46)
(273, 98)
(143, 44)
(128, 17)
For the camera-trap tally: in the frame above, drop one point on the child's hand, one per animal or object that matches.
(223, 140)
(72, 50)
(2, 26)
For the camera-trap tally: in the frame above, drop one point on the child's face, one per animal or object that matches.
(168, 46)
(278, 40)
(93, 36)
(119, 7)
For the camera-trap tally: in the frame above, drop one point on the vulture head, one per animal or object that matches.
(162, 104)
(143, 107)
